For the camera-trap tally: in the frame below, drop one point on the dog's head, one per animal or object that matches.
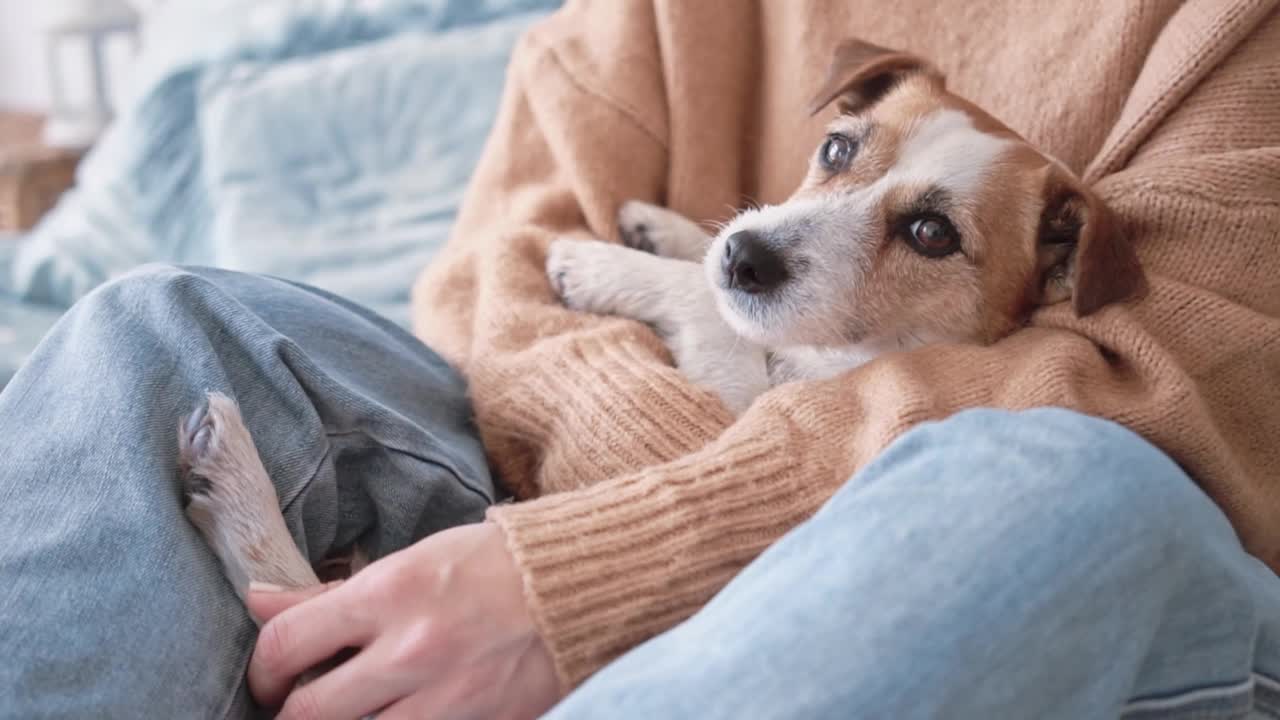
(922, 217)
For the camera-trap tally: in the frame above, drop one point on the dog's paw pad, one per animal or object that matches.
(636, 226)
(636, 237)
(202, 438)
(558, 277)
(195, 435)
(567, 271)
(197, 430)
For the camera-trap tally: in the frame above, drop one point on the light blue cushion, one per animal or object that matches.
(326, 141)
(346, 171)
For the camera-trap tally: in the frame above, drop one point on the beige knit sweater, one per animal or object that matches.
(649, 496)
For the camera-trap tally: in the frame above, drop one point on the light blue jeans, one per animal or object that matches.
(995, 565)
(111, 606)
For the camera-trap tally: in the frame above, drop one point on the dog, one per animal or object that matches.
(922, 220)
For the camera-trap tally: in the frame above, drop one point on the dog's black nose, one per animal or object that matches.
(750, 265)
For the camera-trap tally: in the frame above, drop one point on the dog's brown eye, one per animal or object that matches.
(836, 153)
(932, 237)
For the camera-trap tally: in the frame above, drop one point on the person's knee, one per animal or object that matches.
(1076, 466)
(144, 308)
(154, 285)
(145, 280)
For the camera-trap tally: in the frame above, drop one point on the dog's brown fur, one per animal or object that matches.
(1036, 235)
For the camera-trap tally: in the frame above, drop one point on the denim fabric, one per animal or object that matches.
(995, 565)
(111, 606)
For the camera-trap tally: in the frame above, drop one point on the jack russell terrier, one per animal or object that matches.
(922, 219)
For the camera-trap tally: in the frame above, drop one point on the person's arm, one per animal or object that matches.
(1191, 366)
(563, 399)
(636, 549)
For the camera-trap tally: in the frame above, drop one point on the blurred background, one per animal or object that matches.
(21, 56)
(325, 141)
(25, 50)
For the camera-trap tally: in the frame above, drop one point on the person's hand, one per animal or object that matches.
(441, 629)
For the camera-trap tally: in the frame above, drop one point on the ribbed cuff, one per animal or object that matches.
(610, 566)
(596, 407)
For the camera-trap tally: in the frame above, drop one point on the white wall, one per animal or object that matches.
(23, 59)
(22, 63)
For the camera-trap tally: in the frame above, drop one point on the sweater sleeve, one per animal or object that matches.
(1191, 366)
(563, 399)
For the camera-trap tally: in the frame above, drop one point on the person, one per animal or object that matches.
(1113, 556)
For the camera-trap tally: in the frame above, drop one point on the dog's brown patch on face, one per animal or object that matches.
(978, 294)
(1008, 230)
(944, 225)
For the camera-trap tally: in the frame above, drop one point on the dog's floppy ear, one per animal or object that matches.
(861, 73)
(1082, 251)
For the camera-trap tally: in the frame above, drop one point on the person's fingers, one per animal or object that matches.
(267, 601)
(301, 637)
(411, 708)
(427, 704)
(477, 691)
(441, 704)
(357, 688)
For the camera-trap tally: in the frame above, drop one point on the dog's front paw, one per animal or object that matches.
(231, 500)
(215, 451)
(201, 446)
(226, 491)
(636, 225)
(578, 272)
(657, 230)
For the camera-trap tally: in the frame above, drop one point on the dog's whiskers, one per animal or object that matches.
(714, 227)
(733, 348)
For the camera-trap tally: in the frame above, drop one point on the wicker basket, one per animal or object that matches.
(32, 177)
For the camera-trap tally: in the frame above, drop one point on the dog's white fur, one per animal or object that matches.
(739, 345)
(665, 290)
(945, 149)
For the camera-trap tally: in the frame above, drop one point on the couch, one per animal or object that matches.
(325, 141)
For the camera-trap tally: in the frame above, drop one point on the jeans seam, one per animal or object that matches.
(1267, 693)
(244, 678)
(286, 505)
(428, 458)
(1257, 692)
